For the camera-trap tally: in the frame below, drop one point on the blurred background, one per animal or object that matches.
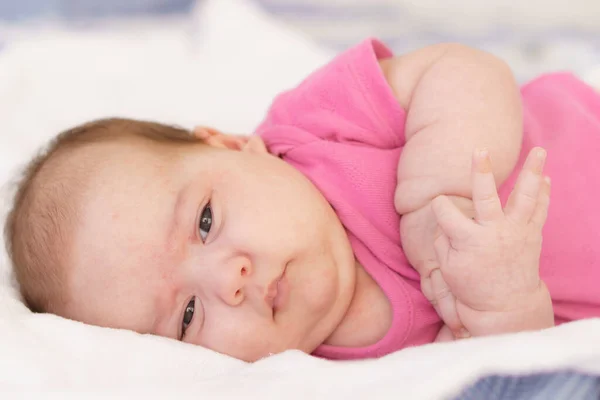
(532, 35)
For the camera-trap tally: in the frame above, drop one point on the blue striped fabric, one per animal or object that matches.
(19, 10)
(563, 385)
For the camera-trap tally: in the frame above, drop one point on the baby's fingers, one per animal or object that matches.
(541, 209)
(485, 195)
(523, 200)
(450, 219)
(428, 292)
(445, 304)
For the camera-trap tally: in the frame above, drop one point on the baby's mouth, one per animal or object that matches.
(282, 292)
(277, 292)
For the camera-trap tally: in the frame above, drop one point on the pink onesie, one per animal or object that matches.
(343, 128)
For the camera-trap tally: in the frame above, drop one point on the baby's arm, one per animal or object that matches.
(457, 99)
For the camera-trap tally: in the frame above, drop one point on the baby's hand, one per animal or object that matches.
(418, 232)
(491, 264)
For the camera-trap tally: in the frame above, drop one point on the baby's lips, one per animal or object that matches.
(271, 293)
(277, 290)
(283, 289)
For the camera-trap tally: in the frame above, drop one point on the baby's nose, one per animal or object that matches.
(235, 280)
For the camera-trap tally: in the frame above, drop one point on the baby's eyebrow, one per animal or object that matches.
(174, 240)
(176, 219)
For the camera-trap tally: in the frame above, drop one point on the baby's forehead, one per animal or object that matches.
(114, 159)
(125, 170)
(124, 218)
(125, 179)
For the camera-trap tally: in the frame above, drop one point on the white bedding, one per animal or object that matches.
(191, 72)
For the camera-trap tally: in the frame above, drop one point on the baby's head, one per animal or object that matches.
(148, 227)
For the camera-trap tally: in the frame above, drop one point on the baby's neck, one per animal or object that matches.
(368, 317)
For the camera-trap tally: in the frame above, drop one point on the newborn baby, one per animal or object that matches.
(363, 216)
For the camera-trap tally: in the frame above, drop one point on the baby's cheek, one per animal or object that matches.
(316, 289)
(239, 334)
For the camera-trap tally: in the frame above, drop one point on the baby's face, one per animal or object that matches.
(233, 250)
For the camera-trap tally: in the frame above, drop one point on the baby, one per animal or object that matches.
(364, 216)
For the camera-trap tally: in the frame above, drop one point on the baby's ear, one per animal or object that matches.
(255, 145)
(216, 138)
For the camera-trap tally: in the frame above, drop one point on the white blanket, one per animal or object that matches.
(190, 72)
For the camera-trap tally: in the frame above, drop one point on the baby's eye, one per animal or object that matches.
(188, 315)
(205, 222)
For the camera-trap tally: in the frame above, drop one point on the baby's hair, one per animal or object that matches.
(38, 229)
